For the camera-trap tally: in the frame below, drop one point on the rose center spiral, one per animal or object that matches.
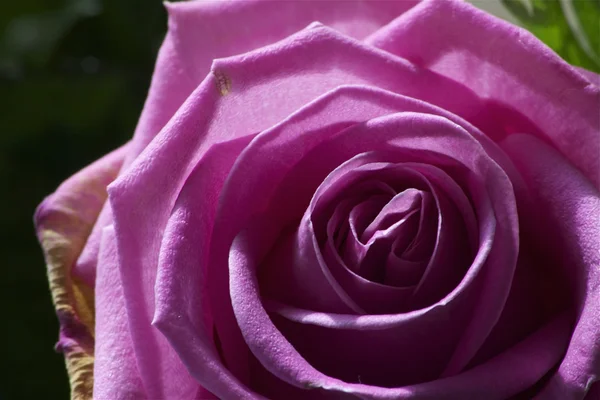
(386, 237)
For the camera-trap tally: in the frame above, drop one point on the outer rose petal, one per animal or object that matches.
(496, 379)
(200, 32)
(63, 222)
(507, 67)
(170, 86)
(236, 27)
(116, 374)
(571, 207)
(182, 312)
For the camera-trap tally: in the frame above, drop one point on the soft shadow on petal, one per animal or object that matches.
(183, 312)
(501, 377)
(571, 208)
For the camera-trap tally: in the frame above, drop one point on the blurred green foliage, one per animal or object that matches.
(569, 27)
(73, 78)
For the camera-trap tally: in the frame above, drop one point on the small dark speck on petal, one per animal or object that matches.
(223, 82)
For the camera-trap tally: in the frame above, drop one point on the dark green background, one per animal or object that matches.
(73, 79)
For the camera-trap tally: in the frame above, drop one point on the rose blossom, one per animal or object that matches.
(398, 202)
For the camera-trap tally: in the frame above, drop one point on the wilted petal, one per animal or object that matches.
(63, 222)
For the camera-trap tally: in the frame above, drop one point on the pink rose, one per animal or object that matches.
(398, 202)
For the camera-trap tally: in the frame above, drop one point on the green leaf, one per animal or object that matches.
(569, 27)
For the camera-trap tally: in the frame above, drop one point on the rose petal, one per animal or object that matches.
(358, 218)
(381, 245)
(589, 75)
(508, 374)
(372, 296)
(400, 272)
(399, 206)
(230, 22)
(537, 295)
(292, 202)
(170, 86)
(418, 132)
(470, 46)
(182, 311)
(571, 207)
(116, 373)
